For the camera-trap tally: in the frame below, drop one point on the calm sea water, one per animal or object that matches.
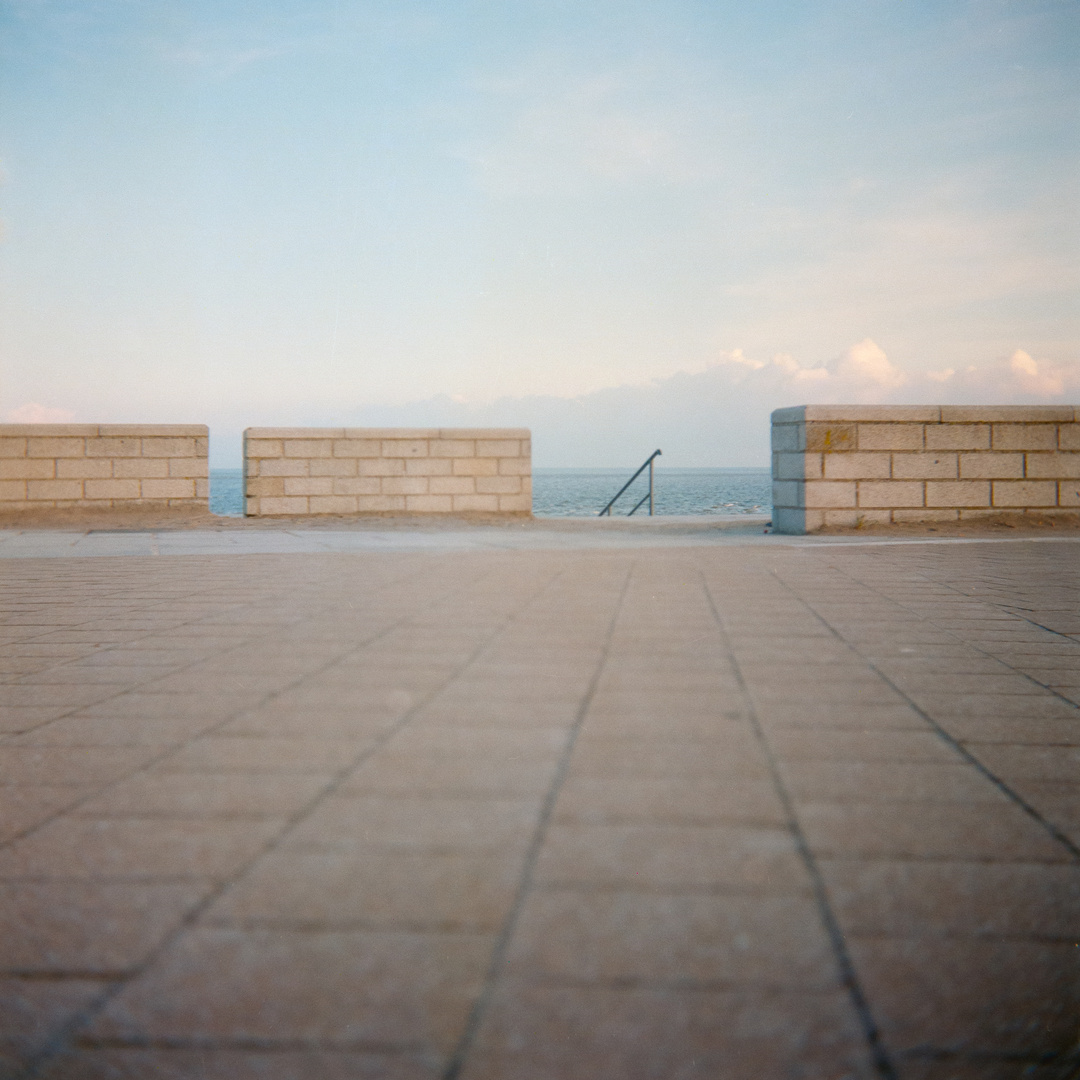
(227, 492)
(582, 492)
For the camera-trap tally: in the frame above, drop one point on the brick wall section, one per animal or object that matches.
(850, 465)
(103, 466)
(388, 470)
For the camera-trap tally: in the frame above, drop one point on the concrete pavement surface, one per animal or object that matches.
(538, 804)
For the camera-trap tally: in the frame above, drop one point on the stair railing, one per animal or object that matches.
(647, 499)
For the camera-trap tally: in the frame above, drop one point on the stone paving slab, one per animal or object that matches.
(483, 804)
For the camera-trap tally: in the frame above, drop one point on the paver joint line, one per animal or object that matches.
(1012, 611)
(879, 1054)
(169, 752)
(954, 744)
(732, 809)
(67, 808)
(81, 1019)
(498, 957)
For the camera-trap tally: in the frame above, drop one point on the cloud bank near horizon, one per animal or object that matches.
(716, 416)
(719, 416)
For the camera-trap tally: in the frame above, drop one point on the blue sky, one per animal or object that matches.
(337, 212)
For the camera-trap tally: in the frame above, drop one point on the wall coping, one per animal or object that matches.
(91, 431)
(929, 414)
(385, 433)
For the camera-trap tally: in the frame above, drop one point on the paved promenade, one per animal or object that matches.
(538, 804)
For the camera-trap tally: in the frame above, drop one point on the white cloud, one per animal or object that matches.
(942, 376)
(1032, 378)
(864, 374)
(736, 356)
(795, 372)
(1021, 379)
(866, 367)
(33, 413)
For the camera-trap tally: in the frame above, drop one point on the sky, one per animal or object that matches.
(624, 224)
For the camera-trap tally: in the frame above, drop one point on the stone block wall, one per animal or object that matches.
(103, 466)
(851, 465)
(387, 470)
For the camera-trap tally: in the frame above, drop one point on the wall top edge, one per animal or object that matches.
(794, 414)
(294, 433)
(925, 414)
(1044, 414)
(928, 414)
(48, 431)
(191, 431)
(81, 431)
(387, 433)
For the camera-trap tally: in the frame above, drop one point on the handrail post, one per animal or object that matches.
(648, 464)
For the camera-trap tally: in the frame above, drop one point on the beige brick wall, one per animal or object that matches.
(103, 466)
(851, 465)
(387, 470)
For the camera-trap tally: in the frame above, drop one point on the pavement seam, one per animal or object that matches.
(977, 648)
(176, 748)
(849, 978)
(736, 603)
(68, 1032)
(203, 591)
(938, 730)
(1056, 1066)
(525, 884)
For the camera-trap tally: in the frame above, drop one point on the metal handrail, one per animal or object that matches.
(648, 465)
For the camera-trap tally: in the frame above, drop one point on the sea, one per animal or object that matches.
(585, 492)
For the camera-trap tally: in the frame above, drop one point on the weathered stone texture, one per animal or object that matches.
(908, 463)
(386, 470)
(103, 466)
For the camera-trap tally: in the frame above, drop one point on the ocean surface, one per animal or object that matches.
(227, 492)
(584, 492)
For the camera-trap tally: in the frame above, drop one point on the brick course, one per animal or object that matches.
(395, 470)
(103, 466)
(921, 463)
